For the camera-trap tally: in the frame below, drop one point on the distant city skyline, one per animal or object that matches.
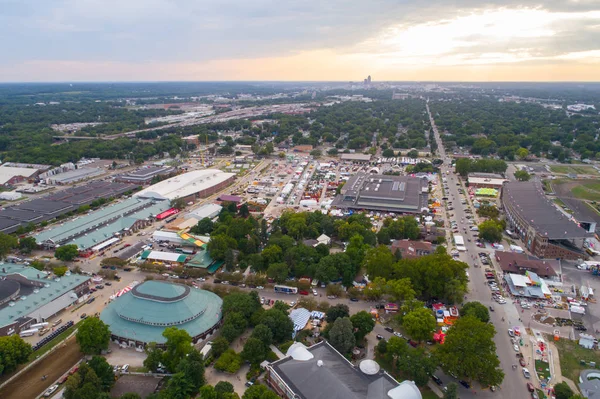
(337, 40)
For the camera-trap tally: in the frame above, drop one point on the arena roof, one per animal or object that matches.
(186, 184)
(143, 313)
(530, 202)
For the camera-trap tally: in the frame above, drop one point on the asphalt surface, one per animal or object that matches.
(514, 384)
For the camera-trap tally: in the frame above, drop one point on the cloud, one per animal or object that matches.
(293, 39)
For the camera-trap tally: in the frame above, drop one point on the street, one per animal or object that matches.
(514, 385)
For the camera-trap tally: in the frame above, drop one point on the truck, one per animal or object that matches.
(28, 333)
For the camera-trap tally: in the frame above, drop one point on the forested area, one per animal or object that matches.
(489, 127)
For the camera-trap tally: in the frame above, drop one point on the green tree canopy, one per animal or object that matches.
(104, 371)
(177, 347)
(419, 324)
(263, 334)
(234, 325)
(562, 391)
(229, 362)
(279, 323)
(66, 252)
(7, 243)
(27, 244)
(341, 335)
(477, 310)
(490, 231)
(363, 323)
(13, 351)
(204, 226)
(522, 175)
(337, 311)
(470, 352)
(255, 351)
(93, 336)
(258, 391)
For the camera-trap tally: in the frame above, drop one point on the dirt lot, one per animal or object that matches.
(142, 385)
(30, 384)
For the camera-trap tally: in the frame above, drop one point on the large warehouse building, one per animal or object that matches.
(29, 296)
(140, 316)
(401, 194)
(54, 205)
(189, 186)
(546, 232)
(101, 228)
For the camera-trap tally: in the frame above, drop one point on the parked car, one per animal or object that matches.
(530, 387)
(397, 334)
(389, 329)
(125, 368)
(51, 390)
(464, 384)
(526, 373)
(379, 337)
(522, 362)
(83, 316)
(437, 380)
(354, 299)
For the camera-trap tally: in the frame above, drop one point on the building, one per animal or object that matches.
(51, 206)
(189, 186)
(589, 383)
(520, 263)
(320, 371)
(144, 175)
(486, 180)
(12, 175)
(140, 315)
(545, 231)
(230, 198)
(529, 285)
(102, 228)
(360, 158)
(29, 296)
(206, 211)
(412, 249)
(400, 194)
(74, 176)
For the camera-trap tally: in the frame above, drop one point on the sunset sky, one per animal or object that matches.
(340, 40)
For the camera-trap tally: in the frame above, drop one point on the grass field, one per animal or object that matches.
(581, 170)
(587, 191)
(542, 369)
(570, 354)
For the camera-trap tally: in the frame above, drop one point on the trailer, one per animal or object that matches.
(28, 333)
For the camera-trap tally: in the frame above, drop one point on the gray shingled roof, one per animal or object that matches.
(528, 199)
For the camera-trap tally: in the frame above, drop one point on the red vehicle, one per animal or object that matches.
(74, 370)
(302, 292)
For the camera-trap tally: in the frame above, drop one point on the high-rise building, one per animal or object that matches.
(369, 79)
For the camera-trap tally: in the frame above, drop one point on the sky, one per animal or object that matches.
(299, 40)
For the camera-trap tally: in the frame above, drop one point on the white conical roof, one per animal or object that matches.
(369, 367)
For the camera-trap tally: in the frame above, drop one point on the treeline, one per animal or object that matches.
(464, 166)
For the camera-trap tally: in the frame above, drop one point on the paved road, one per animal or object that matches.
(514, 385)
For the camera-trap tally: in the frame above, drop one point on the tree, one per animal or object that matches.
(104, 371)
(255, 351)
(66, 252)
(93, 336)
(27, 244)
(470, 352)
(234, 325)
(60, 271)
(209, 392)
(177, 347)
(400, 289)
(13, 351)
(229, 362)
(341, 335)
(388, 153)
(337, 311)
(477, 310)
(178, 387)
(488, 211)
(419, 324)
(278, 272)
(334, 289)
(451, 391)
(263, 334)
(223, 387)
(192, 367)
(178, 203)
(154, 357)
(204, 226)
(562, 391)
(316, 153)
(279, 323)
(522, 175)
(522, 153)
(258, 391)
(7, 242)
(219, 345)
(490, 231)
(84, 384)
(244, 303)
(244, 210)
(412, 154)
(363, 323)
(219, 244)
(378, 262)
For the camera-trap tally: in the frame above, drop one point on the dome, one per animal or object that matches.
(299, 352)
(406, 390)
(369, 367)
(143, 313)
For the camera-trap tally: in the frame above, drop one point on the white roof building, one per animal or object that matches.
(186, 184)
(323, 239)
(8, 172)
(206, 211)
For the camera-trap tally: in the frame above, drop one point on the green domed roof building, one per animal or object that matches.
(140, 316)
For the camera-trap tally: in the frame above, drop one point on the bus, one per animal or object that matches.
(459, 241)
(284, 289)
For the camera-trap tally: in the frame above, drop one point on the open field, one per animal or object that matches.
(589, 190)
(577, 169)
(570, 354)
(574, 194)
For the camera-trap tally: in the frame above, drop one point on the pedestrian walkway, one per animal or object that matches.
(277, 351)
